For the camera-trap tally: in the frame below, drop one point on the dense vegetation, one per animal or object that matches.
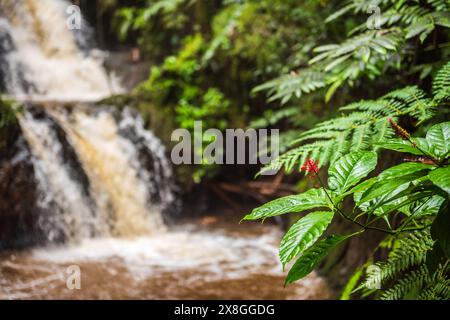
(360, 90)
(385, 62)
(209, 55)
(410, 198)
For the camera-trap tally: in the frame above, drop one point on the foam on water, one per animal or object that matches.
(215, 253)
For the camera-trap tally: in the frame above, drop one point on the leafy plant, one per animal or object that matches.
(404, 201)
(207, 55)
(364, 124)
(388, 44)
(415, 193)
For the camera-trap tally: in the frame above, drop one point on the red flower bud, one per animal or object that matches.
(311, 167)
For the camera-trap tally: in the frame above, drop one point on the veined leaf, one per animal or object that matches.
(426, 207)
(303, 234)
(388, 185)
(311, 257)
(400, 146)
(359, 189)
(376, 205)
(438, 137)
(396, 204)
(442, 19)
(441, 178)
(313, 198)
(403, 169)
(424, 145)
(350, 169)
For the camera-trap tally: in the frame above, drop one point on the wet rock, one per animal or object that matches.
(18, 194)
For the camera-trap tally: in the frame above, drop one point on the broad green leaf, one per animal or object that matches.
(400, 146)
(397, 198)
(350, 169)
(382, 203)
(440, 228)
(303, 234)
(311, 257)
(387, 186)
(424, 145)
(359, 189)
(438, 137)
(313, 198)
(398, 203)
(426, 207)
(403, 169)
(441, 178)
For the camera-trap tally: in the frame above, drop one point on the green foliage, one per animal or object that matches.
(364, 125)
(408, 252)
(380, 45)
(437, 140)
(303, 234)
(311, 199)
(441, 178)
(8, 111)
(311, 257)
(172, 85)
(398, 194)
(406, 271)
(348, 171)
(441, 84)
(207, 55)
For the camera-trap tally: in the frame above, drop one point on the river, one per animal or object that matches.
(91, 188)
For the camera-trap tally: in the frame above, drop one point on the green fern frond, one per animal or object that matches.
(437, 290)
(406, 273)
(441, 84)
(366, 124)
(421, 285)
(441, 5)
(427, 294)
(412, 282)
(408, 252)
(293, 85)
(366, 49)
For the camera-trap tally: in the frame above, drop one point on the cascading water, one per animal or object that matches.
(42, 62)
(94, 178)
(123, 189)
(58, 191)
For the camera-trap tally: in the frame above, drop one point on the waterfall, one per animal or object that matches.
(120, 185)
(44, 59)
(99, 172)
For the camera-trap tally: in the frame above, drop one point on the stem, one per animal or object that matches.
(411, 216)
(365, 227)
(413, 229)
(432, 158)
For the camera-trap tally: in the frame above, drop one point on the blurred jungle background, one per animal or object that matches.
(359, 90)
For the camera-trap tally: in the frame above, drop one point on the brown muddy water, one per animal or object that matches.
(203, 259)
